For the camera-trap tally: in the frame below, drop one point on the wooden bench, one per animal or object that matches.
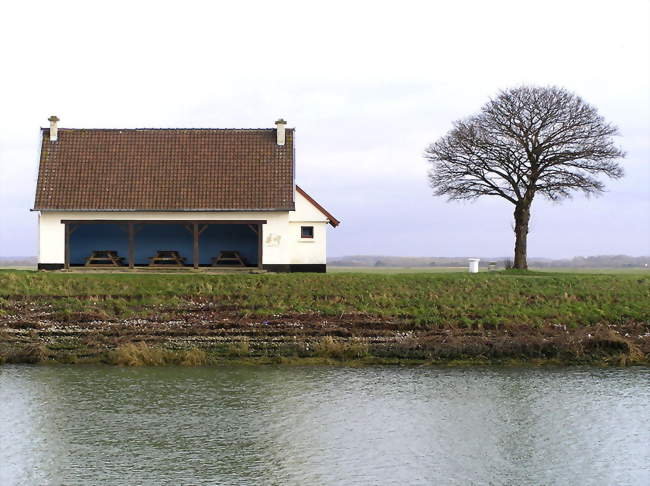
(167, 258)
(104, 258)
(228, 258)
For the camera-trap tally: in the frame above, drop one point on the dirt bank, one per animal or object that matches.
(31, 335)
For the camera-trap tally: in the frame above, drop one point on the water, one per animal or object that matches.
(323, 425)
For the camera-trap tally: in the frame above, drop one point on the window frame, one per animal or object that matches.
(302, 232)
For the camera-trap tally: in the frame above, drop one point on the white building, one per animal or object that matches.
(192, 197)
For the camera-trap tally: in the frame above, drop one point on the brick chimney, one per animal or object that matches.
(54, 130)
(280, 126)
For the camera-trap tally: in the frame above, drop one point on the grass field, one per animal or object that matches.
(392, 270)
(458, 298)
(439, 313)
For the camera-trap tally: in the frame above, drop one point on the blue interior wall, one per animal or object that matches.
(153, 237)
(91, 237)
(219, 237)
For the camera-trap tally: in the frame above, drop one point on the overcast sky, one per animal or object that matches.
(367, 85)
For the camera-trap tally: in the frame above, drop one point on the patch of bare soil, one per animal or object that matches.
(36, 330)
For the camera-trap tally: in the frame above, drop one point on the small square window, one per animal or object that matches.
(306, 231)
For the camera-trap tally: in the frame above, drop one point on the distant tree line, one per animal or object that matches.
(600, 261)
(18, 261)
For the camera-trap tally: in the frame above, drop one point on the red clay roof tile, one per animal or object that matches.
(165, 170)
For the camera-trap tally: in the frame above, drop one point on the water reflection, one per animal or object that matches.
(311, 425)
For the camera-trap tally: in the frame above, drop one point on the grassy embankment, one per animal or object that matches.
(340, 317)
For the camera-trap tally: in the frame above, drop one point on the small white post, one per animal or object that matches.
(473, 265)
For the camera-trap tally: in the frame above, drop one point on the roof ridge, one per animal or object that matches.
(162, 129)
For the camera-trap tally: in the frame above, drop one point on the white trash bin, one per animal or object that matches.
(473, 265)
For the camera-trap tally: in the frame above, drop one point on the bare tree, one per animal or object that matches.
(524, 142)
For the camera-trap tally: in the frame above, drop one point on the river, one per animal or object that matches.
(242, 425)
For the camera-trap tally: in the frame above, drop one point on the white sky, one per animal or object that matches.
(366, 84)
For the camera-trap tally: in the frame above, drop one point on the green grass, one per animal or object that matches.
(486, 299)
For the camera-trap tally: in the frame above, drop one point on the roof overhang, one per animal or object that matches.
(332, 220)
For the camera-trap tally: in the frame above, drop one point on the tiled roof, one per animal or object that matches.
(165, 170)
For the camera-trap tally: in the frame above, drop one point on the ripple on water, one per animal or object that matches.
(323, 425)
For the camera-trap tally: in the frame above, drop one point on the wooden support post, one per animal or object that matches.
(66, 261)
(259, 245)
(131, 247)
(195, 257)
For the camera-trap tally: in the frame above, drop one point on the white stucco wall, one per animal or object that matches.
(280, 234)
(307, 250)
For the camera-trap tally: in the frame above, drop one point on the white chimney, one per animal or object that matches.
(54, 130)
(280, 128)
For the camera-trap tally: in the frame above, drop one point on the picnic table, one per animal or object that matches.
(104, 258)
(228, 258)
(166, 258)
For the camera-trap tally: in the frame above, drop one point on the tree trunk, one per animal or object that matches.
(522, 217)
